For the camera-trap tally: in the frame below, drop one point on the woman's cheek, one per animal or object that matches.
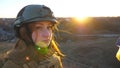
(33, 36)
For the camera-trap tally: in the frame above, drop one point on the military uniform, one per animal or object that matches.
(27, 57)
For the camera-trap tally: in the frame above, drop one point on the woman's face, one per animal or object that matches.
(41, 32)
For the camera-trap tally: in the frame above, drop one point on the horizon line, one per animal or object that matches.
(71, 16)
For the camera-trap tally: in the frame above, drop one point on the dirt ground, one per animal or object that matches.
(91, 53)
(83, 53)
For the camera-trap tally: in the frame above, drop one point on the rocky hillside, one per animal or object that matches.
(6, 29)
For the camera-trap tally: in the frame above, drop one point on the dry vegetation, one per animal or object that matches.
(83, 53)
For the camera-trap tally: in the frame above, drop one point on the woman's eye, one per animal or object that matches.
(38, 28)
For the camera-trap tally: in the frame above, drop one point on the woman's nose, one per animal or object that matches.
(46, 33)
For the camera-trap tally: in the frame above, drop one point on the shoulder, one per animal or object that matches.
(10, 64)
(2, 62)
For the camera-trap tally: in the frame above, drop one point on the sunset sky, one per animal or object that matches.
(64, 8)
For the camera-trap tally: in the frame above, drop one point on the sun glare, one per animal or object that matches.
(80, 20)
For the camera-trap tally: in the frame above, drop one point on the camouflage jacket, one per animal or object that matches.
(26, 57)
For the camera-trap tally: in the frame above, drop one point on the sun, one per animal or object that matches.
(80, 20)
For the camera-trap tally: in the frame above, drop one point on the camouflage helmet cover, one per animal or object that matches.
(33, 13)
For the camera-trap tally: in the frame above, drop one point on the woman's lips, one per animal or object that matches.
(46, 41)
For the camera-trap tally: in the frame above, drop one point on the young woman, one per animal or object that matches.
(36, 48)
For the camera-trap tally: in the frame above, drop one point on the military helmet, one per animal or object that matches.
(32, 13)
